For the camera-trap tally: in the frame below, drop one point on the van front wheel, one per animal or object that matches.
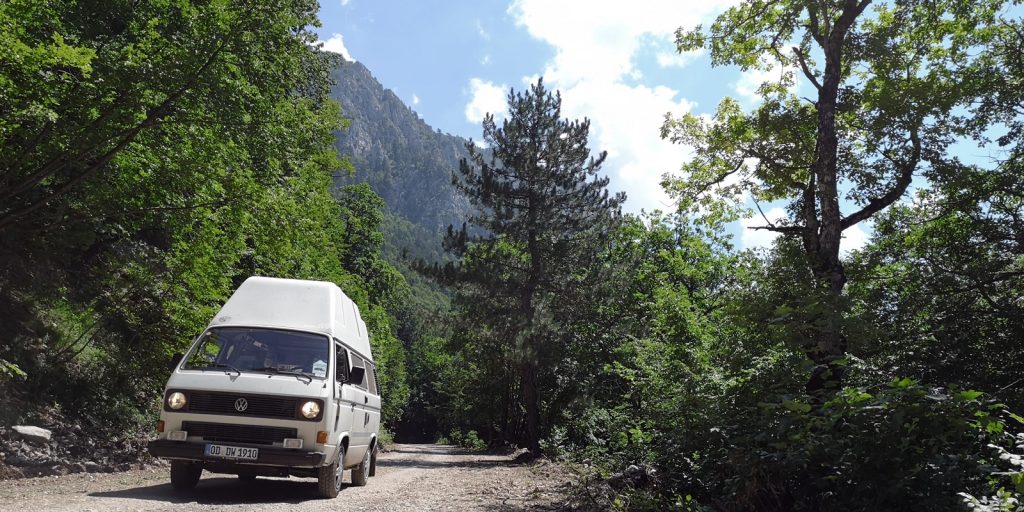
(185, 474)
(328, 478)
(362, 472)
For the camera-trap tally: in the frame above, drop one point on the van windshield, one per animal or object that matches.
(246, 349)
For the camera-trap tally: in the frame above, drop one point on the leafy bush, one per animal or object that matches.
(900, 447)
(1010, 474)
(470, 440)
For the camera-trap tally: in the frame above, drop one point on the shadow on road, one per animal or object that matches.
(437, 464)
(434, 449)
(225, 490)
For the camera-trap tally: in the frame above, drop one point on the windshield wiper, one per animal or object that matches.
(272, 369)
(224, 365)
(300, 373)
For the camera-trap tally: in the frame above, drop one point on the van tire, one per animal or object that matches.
(361, 473)
(373, 460)
(247, 477)
(328, 478)
(185, 474)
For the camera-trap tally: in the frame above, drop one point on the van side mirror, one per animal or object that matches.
(356, 374)
(175, 359)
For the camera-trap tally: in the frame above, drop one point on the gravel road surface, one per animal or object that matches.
(409, 477)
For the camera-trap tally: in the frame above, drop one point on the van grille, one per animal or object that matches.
(226, 432)
(259, 406)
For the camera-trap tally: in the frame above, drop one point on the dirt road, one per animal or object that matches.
(410, 477)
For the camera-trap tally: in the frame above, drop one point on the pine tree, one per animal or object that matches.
(541, 216)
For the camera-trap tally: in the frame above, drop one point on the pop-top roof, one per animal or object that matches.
(316, 306)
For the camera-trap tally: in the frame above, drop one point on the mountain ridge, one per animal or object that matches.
(403, 159)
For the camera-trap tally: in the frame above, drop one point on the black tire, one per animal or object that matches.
(185, 474)
(247, 477)
(328, 478)
(361, 473)
(373, 460)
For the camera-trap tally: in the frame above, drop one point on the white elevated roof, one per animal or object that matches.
(316, 306)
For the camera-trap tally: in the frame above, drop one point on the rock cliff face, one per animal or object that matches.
(402, 158)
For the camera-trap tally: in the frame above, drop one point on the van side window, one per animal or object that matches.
(341, 356)
(358, 361)
(371, 378)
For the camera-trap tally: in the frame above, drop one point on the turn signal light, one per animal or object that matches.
(160, 426)
(321, 437)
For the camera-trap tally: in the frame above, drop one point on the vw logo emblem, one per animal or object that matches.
(241, 405)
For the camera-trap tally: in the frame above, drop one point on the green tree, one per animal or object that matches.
(541, 217)
(152, 156)
(938, 288)
(85, 83)
(885, 88)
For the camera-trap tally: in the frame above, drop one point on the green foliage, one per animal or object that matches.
(887, 86)
(154, 155)
(940, 282)
(10, 371)
(470, 440)
(706, 386)
(541, 217)
(897, 448)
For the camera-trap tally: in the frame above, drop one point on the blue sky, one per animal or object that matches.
(614, 62)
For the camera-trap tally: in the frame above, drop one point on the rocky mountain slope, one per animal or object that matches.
(402, 158)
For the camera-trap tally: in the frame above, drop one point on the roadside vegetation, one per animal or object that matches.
(681, 373)
(153, 155)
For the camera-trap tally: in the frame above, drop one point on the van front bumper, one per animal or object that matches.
(268, 456)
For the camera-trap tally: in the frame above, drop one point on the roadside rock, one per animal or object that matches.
(69, 449)
(35, 435)
(634, 476)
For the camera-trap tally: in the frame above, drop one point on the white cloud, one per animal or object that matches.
(625, 122)
(486, 60)
(760, 238)
(854, 239)
(345, 2)
(598, 40)
(336, 44)
(596, 45)
(678, 60)
(415, 99)
(485, 97)
(484, 34)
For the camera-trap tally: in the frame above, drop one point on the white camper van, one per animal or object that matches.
(282, 382)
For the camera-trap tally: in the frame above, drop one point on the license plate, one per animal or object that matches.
(231, 452)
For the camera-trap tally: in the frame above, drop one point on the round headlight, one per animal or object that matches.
(310, 409)
(176, 400)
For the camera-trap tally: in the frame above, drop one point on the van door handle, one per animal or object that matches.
(366, 399)
(366, 419)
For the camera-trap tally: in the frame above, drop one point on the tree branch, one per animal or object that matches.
(803, 66)
(153, 115)
(906, 175)
(781, 229)
(815, 26)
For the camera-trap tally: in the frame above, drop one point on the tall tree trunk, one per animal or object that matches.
(822, 239)
(828, 341)
(531, 400)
